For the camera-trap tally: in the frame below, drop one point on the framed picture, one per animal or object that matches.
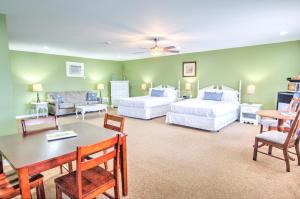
(189, 69)
(74, 69)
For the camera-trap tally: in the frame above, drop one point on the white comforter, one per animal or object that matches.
(146, 101)
(205, 108)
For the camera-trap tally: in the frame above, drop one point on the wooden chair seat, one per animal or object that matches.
(273, 136)
(92, 179)
(9, 185)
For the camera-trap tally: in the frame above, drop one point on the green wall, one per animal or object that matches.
(50, 70)
(266, 66)
(7, 119)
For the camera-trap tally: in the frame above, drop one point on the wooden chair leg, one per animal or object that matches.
(297, 151)
(255, 149)
(287, 160)
(261, 128)
(42, 190)
(38, 193)
(58, 193)
(270, 150)
(106, 166)
(117, 191)
(61, 169)
(70, 167)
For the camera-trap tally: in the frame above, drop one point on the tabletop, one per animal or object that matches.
(25, 151)
(275, 114)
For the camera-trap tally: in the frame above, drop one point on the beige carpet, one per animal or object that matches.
(167, 161)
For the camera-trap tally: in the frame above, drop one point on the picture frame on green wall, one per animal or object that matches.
(189, 69)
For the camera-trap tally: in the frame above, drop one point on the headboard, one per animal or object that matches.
(167, 86)
(223, 87)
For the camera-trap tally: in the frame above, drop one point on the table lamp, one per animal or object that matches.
(188, 87)
(100, 87)
(251, 89)
(37, 88)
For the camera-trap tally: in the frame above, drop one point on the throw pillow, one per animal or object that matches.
(57, 98)
(215, 96)
(91, 96)
(157, 93)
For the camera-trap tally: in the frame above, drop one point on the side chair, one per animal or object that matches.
(90, 180)
(280, 140)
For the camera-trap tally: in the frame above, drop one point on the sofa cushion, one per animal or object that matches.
(57, 98)
(91, 96)
(66, 105)
(74, 96)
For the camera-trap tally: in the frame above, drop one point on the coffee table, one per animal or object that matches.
(90, 108)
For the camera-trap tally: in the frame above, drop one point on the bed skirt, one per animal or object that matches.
(144, 113)
(199, 122)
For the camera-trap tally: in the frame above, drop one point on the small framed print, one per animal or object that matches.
(189, 69)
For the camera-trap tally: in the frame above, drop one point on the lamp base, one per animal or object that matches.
(38, 98)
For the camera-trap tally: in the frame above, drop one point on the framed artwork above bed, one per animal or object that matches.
(189, 69)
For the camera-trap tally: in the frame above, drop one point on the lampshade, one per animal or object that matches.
(188, 86)
(100, 86)
(251, 89)
(37, 87)
(144, 86)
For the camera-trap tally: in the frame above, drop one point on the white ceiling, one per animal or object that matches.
(80, 27)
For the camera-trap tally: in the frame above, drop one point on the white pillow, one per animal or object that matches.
(171, 92)
(202, 91)
(230, 95)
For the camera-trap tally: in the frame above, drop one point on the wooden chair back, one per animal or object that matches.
(294, 129)
(113, 118)
(50, 121)
(85, 151)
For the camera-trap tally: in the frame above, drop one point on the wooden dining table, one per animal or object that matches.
(281, 117)
(33, 154)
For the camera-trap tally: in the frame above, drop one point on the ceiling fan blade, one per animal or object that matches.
(139, 52)
(169, 47)
(172, 51)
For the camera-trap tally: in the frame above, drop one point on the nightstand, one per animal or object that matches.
(248, 113)
(40, 108)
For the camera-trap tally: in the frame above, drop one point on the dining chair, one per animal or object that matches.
(90, 180)
(115, 123)
(9, 185)
(271, 124)
(109, 121)
(45, 124)
(280, 140)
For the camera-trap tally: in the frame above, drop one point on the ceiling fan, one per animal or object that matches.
(157, 50)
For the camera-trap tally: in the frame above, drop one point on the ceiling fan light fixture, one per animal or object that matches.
(156, 51)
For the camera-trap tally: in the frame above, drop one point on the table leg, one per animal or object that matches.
(123, 156)
(76, 111)
(24, 183)
(82, 113)
(1, 164)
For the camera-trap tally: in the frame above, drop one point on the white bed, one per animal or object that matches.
(147, 107)
(206, 114)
